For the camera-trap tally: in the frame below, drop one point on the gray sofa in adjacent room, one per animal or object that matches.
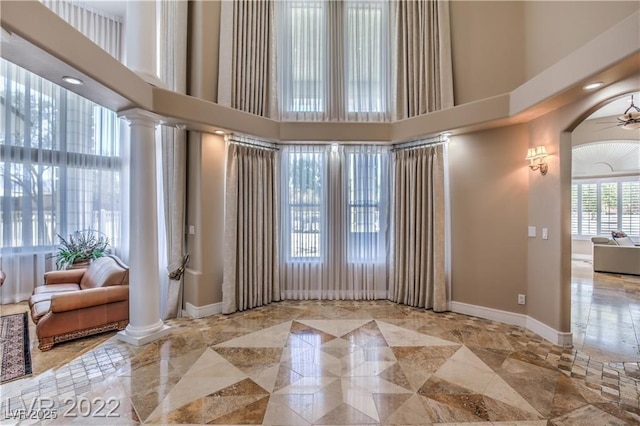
(609, 256)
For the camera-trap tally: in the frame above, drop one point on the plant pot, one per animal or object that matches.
(81, 264)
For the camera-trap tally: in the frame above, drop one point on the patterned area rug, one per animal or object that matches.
(15, 353)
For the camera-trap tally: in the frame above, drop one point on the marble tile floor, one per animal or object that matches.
(335, 362)
(605, 313)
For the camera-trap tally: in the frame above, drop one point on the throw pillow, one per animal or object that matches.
(618, 234)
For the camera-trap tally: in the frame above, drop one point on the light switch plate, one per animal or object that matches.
(545, 233)
(192, 230)
(532, 232)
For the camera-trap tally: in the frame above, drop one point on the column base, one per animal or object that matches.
(137, 339)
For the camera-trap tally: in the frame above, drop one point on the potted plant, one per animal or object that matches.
(80, 249)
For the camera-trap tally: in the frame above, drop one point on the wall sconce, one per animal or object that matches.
(536, 158)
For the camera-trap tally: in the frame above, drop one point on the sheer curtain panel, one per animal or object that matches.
(336, 60)
(333, 60)
(334, 222)
(251, 276)
(173, 158)
(418, 277)
(103, 29)
(61, 165)
(424, 74)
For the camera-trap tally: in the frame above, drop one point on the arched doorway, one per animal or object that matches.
(605, 193)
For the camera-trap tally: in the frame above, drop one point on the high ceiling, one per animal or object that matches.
(606, 158)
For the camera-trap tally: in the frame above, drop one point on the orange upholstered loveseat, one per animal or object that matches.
(80, 302)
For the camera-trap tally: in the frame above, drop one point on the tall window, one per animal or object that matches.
(334, 59)
(334, 221)
(335, 199)
(303, 46)
(60, 163)
(304, 177)
(364, 201)
(599, 206)
(366, 56)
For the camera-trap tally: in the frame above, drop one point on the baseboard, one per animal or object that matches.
(554, 336)
(489, 313)
(512, 318)
(582, 257)
(202, 311)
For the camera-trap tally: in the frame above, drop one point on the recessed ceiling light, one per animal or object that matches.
(72, 80)
(594, 85)
(219, 132)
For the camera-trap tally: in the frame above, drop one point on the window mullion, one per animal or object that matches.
(7, 212)
(579, 207)
(598, 208)
(619, 205)
(27, 186)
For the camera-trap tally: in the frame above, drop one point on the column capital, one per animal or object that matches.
(140, 117)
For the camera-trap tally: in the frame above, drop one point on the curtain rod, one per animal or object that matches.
(251, 142)
(327, 143)
(419, 144)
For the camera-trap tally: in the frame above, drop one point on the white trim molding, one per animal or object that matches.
(554, 336)
(202, 311)
(561, 338)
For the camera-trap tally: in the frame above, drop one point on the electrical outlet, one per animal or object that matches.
(522, 299)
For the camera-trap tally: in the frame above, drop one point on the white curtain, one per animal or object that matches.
(333, 60)
(61, 165)
(251, 276)
(172, 158)
(103, 29)
(419, 247)
(247, 56)
(336, 60)
(334, 222)
(424, 73)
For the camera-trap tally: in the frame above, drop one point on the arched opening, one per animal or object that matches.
(605, 199)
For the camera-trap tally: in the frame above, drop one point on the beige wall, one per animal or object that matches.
(498, 45)
(205, 211)
(204, 39)
(488, 181)
(487, 39)
(554, 29)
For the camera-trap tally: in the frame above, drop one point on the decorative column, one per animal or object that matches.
(145, 324)
(141, 40)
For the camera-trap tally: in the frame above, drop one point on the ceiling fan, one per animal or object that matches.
(630, 120)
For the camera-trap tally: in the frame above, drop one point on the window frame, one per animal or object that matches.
(353, 201)
(60, 156)
(308, 206)
(578, 184)
(337, 93)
